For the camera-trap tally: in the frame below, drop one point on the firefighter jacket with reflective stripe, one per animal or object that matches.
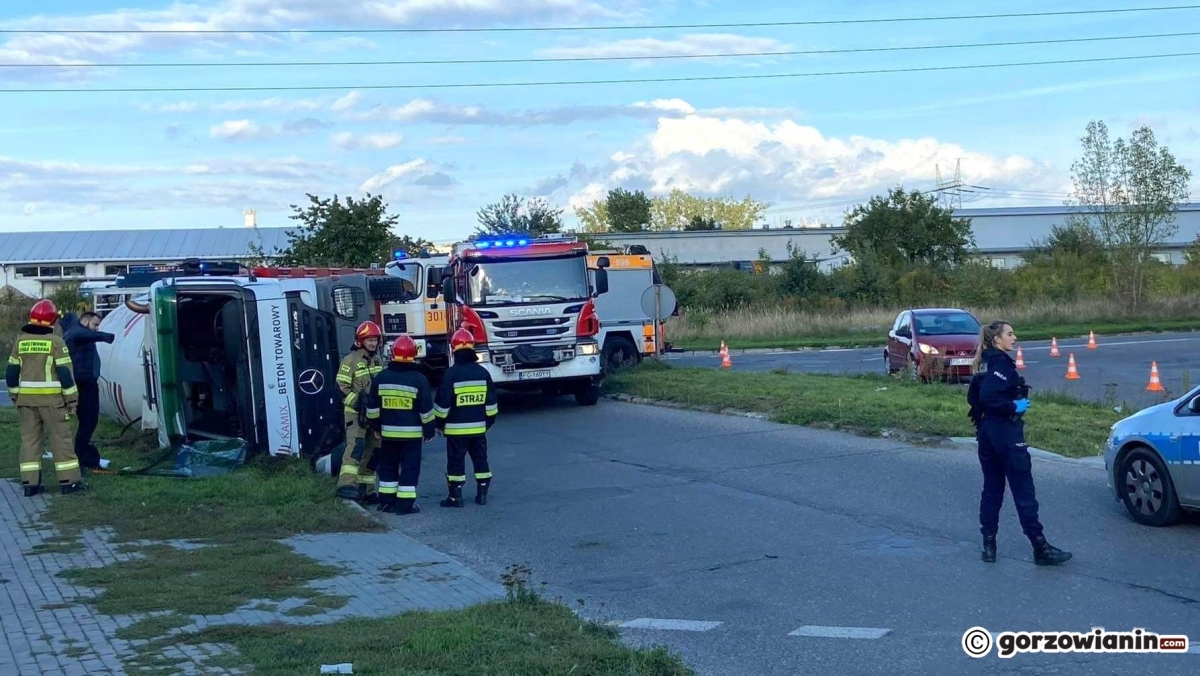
(39, 370)
(466, 402)
(355, 374)
(401, 402)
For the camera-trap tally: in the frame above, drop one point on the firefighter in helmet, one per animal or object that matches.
(356, 481)
(41, 384)
(401, 404)
(466, 407)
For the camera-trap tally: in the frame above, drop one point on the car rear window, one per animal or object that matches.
(947, 324)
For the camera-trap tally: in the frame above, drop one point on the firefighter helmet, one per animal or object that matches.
(404, 349)
(43, 313)
(367, 330)
(462, 340)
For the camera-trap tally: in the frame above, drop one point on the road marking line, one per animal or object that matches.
(669, 625)
(1061, 346)
(839, 632)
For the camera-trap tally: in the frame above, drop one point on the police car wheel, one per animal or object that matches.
(1147, 490)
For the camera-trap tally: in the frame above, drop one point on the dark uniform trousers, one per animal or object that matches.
(88, 412)
(1004, 455)
(399, 467)
(457, 450)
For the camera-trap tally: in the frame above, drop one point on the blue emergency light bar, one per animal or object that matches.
(399, 254)
(501, 243)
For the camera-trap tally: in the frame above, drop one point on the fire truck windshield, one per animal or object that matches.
(546, 280)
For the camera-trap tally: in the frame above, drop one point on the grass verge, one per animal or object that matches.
(209, 546)
(780, 328)
(865, 404)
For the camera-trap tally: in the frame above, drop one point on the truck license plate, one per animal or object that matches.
(960, 362)
(533, 375)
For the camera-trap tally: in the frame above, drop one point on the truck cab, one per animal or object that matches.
(530, 304)
(627, 333)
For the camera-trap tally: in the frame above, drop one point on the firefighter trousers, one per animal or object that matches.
(399, 471)
(457, 449)
(356, 475)
(36, 423)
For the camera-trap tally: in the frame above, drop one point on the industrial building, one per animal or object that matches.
(1001, 235)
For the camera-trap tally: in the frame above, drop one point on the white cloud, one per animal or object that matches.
(787, 161)
(349, 141)
(419, 172)
(690, 45)
(269, 15)
(245, 130)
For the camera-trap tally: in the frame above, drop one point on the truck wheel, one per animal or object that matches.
(589, 395)
(388, 290)
(619, 352)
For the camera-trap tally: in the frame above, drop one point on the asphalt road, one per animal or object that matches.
(648, 513)
(1116, 372)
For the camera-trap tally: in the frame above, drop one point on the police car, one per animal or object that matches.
(1152, 461)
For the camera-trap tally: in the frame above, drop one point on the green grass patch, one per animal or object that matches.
(879, 338)
(152, 627)
(865, 404)
(526, 637)
(318, 604)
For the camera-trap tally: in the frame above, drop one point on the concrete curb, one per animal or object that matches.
(1096, 462)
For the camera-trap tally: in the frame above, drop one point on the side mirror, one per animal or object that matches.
(1194, 405)
(435, 276)
(448, 295)
(603, 277)
(602, 262)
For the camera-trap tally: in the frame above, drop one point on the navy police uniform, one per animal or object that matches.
(1004, 454)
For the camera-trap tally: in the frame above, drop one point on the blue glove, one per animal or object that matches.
(1022, 405)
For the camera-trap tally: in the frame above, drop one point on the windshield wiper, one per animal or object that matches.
(550, 297)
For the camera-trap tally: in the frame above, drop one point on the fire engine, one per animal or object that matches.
(530, 304)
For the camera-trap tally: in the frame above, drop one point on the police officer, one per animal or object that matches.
(999, 398)
(356, 481)
(401, 404)
(42, 387)
(466, 407)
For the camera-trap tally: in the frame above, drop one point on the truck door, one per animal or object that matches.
(316, 359)
(349, 301)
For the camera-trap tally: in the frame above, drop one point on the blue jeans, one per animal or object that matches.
(1004, 455)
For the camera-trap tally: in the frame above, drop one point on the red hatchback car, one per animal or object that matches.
(933, 343)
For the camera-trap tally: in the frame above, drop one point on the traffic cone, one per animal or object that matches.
(1091, 340)
(1155, 385)
(725, 361)
(1072, 374)
(1020, 359)
(1054, 348)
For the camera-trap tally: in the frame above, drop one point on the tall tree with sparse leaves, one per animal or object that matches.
(512, 214)
(349, 234)
(1127, 193)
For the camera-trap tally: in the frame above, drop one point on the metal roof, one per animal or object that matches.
(132, 246)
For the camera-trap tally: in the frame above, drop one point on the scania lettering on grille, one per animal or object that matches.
(527, 311)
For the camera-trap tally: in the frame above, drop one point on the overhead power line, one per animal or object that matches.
(557, 83)
(529, 29)
(805, 52)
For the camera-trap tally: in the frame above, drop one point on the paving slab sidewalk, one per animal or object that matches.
(49, 628)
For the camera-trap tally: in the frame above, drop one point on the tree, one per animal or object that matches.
(410, 246)
(1128, 193)
(353, 234)
(699, 222)
(512, 214)
(901, 230)
(593, 217)
(678, 208)
(627, 211)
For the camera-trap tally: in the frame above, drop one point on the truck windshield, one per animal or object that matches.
(528, 281)
(410, 273)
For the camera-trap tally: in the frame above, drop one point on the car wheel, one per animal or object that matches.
(1148, 493)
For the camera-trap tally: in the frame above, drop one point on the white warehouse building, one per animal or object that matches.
(1001, 235)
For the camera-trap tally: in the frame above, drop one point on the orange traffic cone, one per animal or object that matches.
(1020, 359)
(1155, 385)
(1091, 340)
(726, 363)
(1072, 374)
(1054, 348)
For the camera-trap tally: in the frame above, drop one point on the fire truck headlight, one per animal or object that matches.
(483, 355)
(589, 348)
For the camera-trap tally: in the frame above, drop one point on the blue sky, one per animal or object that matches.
(809, 146)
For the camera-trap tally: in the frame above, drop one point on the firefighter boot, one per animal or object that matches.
(407, 506)
(989, 548)
(1046, 554)
(481, 489)
(454, 499)
(387, 503)
(77, 487)
(33, 490)
(348, 492)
